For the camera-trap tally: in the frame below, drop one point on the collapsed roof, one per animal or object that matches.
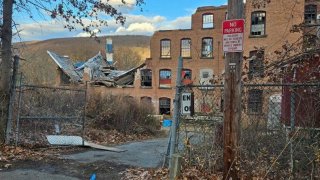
(98, 70)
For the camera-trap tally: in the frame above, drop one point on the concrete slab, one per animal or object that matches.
(148, 154)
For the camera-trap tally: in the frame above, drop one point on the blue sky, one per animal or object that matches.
(155, 15)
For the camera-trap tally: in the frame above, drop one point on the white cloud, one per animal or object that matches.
(38, 29)
(86, 34)
(179, 23)
(135, 25)
(137, 28)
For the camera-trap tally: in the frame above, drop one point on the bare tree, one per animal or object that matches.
(86, 14)
(126, 58)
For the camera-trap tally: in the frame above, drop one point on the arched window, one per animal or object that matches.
(146, 100)
(164, 105)
(165, 78)
(165, 48)
(185, 47)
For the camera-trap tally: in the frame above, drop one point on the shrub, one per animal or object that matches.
(122, 113)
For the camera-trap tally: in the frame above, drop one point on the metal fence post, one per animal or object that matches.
(176, 113)
(18, 115)
(12, 97)
(292, 126)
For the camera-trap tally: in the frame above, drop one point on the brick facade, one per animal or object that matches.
(280, 16)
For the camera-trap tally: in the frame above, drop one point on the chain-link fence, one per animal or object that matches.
(279, 130)
(39, 111)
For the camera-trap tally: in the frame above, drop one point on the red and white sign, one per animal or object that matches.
(232, 31)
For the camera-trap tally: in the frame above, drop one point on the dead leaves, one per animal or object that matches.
(11, 153)
(163, 174)
(144, 174)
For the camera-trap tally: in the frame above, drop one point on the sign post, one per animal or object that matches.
(233, 46)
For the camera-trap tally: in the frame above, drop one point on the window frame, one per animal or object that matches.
(167, 105)
(146, 76)
(311, 20)
(162, 48)
(255, 101)
(264, 24)
(163, 86)
(256, 66)
(207, 24)
(203, 46)
(185, 48)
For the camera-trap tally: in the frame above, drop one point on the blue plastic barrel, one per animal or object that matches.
(166, 123)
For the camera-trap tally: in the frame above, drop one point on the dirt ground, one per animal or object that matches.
(55, 168)
(67, 163)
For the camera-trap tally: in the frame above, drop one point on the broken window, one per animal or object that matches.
(310, 14)
(146, 100)
(255, 101)
(146, 77)
(256, 66)
(258, 23)
(186, 76)
(165, 48)
(207, 21)
(207, 47)
(185, 47)
(164, 106)
(165, 78)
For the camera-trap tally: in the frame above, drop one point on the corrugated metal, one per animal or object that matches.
(66, 66)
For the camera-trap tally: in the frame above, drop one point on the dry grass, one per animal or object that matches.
(39, 68)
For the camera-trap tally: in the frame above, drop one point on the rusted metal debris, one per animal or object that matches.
(97, 69)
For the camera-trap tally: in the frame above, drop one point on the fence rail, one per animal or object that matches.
(279, 130)
(39, 111)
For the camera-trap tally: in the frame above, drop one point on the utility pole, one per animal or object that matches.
(232, 96)
(173, 164)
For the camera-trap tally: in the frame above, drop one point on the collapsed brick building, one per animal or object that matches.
(267, 28)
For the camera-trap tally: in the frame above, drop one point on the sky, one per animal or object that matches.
(155, 15)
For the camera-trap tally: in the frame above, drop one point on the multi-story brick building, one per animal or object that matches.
(267, 28)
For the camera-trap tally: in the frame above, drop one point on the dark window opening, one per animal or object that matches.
(146, 77)
(164, 106)
(310, 14)
(255, 101)
(205, 74)
(165, 78)
(165, 48)
(256, 66)
(186, 48)
(207, 48)
(258, 23)
(207, 21)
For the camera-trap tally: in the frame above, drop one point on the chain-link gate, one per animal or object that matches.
(39, 111)
(280, 126)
